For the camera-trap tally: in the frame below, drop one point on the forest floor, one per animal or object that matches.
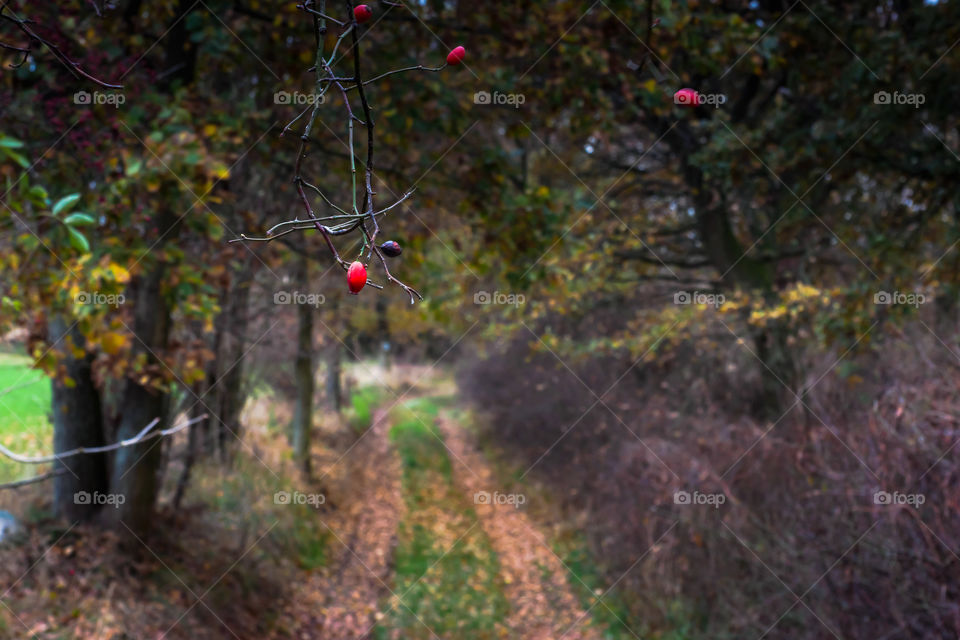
(421, 533)
(425, 543)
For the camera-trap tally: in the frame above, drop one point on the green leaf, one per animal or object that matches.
(10, 143)
(16, 157)
(134, 167)
(78, 241)
(37, 193)
(65, 203)
(79, 219)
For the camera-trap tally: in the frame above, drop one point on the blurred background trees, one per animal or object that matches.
(641, 294)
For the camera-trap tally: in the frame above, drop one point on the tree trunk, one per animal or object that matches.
(135, 468)
(229, 393)
(727, 254)
(334, 357)
(779, 377)
(77, 422)
(304, 375)
(193, 447)
(208, 429)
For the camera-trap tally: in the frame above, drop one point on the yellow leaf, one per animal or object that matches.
(112, 343)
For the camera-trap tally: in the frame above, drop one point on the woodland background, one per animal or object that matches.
(629, 305)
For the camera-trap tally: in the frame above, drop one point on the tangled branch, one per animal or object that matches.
(8, 16)
(362, 217)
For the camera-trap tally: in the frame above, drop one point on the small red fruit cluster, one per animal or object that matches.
(357, 273)
(362, 13)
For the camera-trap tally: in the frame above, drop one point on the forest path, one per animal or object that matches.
(543, 605)
(343, 600)
(413, 554)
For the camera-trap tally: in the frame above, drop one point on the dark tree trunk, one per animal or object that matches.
(135, 469)
(779, 376)
(77, 422)
(193, 446)
(334, 375)
(726, 253)
(229, 391)
(209, 428)
(334, 357)
(304, 375)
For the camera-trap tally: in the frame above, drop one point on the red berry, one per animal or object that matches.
(687, 98)
(362, 13)
(356, 277)
(456, 56)
(391, 248)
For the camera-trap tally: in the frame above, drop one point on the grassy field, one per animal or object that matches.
(24, 423)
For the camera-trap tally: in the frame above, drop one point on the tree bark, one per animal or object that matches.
(304, 375)
(334, 357)
(193, 449)
(778, 372)
(77, 422)
(135, 468)
(229, 392)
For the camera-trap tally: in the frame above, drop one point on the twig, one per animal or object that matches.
(21, 23)
(33, 480)
(144, 435)
(419, 67)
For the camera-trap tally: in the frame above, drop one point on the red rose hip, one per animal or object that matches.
(456, 56)
(687, 98)
(362, 13)
(356, 277)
